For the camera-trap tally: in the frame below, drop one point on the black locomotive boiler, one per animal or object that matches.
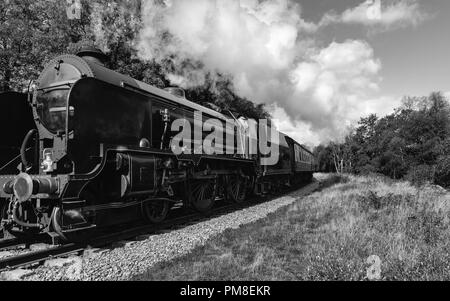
(99, 154)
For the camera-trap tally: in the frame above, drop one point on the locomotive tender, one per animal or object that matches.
(97, 152)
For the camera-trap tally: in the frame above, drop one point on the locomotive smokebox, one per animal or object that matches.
(93, 54)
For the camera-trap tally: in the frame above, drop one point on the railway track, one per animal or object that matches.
(123, 234)
(39, 257)
(12, 243)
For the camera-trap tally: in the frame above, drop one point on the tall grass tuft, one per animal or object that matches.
(330, 234)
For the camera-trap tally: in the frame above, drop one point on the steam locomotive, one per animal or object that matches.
(90, 148)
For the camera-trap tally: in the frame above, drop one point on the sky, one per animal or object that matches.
(318, 65)
(415, 59)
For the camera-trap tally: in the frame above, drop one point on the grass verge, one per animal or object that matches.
(330, 235)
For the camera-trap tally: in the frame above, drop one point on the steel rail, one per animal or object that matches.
(40, 256)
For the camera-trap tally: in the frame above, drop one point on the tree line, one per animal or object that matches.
(412, 143)
(32, 32)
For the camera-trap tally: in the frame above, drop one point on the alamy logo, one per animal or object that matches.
(231, 137)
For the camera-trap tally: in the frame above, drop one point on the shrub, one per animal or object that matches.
(371, 201)
(367, 169)
(442, 176)
(333, 180)
(421, 174)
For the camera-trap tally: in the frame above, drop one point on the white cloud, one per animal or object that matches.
(296, 129)
(305, 133)
(263, 45)
(335, 85)
(332, 90)
(384, 15)
(228, 35)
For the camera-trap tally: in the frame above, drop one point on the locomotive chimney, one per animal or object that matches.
(93, 54)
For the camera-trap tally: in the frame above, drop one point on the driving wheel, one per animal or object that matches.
(203, 194)
(156, 211)
(237, 188)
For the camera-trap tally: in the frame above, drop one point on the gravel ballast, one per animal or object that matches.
(127, 259)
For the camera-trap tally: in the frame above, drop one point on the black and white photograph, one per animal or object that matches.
(224, 147)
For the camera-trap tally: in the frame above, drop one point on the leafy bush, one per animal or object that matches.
(442, 176)
(371, 201)
(367, 169)
(333, 180)
(408, 144)
(420, 175)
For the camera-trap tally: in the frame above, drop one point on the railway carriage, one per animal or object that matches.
(103, 145)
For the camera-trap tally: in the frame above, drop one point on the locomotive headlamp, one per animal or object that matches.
(23, 187)
(47, 163)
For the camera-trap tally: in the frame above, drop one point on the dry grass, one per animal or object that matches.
(329, 236)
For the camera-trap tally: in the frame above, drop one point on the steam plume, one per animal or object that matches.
(268, 50)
